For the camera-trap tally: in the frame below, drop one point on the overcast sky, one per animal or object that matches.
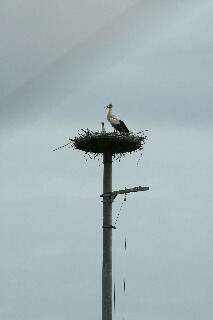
(61, 63)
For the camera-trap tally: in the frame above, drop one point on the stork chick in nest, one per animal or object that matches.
(102, 128)
(118, 124)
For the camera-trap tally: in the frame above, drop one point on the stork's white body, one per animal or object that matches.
(112, 118)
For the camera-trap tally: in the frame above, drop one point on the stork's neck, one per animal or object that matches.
(109, 115)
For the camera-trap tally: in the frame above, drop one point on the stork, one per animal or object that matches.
(118, 124)
(102, 128)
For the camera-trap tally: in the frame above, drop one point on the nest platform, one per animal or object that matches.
(113, 142)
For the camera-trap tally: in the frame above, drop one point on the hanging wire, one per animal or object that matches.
(124, 269)
(62, 146)
(125, 196)
(139, 159)
(125, 265)
(114, 261)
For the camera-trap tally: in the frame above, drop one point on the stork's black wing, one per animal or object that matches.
(123, 126)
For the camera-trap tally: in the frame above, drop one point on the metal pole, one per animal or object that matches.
(107, 240)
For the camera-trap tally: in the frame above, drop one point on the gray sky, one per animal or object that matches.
(61, 63)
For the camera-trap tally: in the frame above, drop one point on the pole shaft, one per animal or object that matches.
(107, 241)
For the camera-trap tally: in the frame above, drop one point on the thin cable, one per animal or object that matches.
(124, 275)
(114, 242)
(120, 209)
(62, 146)
(125, 266)
(114, 260)
(124, 283)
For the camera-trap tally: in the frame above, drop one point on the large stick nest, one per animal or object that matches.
(113, 142)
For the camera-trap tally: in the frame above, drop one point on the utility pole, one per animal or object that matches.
(109, 145)
(108, 198)
(107, 239)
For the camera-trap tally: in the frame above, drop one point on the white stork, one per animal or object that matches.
(118, 124)
(102, 128)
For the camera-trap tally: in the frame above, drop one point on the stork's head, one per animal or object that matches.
(102, 123)
(109, 106)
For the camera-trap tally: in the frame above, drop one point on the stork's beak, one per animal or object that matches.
(106, 107)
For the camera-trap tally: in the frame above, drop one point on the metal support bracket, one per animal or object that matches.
(110, 197)
(109, 226)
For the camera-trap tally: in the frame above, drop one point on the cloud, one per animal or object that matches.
(51, 211)
(72, 68)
